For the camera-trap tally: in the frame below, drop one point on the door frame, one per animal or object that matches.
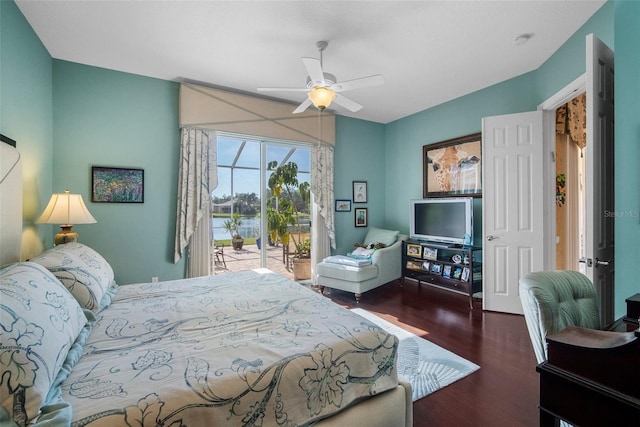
(549, 107)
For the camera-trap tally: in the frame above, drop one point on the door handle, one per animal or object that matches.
(587, 261)
(590, 262)
(490, 237)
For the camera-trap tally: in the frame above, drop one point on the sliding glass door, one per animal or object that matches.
(243, 194)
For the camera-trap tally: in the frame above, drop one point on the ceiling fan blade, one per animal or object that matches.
(347, 103)
(375, 80)
(314, 69)
(283, 89)
(305, 104)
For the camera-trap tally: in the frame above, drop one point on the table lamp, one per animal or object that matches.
(66, 209)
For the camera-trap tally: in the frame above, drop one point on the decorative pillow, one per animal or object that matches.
(378, 235)
(376, 245)
(39, 321)
(81, 269)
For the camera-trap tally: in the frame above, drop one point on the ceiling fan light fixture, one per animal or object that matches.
(322, 87)
(321, 97)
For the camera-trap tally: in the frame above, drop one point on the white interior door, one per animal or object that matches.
(513, 206)
(516, 243)
(600, 211)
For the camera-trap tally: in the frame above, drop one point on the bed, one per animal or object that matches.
(247, 348)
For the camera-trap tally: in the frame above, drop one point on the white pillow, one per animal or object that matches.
(81, 269)
(378, 235)
(39, 321)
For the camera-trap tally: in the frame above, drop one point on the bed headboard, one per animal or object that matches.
(10, 203)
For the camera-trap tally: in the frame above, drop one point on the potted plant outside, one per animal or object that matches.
(302, 260)
(288, 197)
(232, 225)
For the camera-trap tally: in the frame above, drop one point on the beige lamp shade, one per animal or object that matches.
(321, 97)
(66, 209)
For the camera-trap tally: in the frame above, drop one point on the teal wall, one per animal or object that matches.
(462, 116)
(359, 156)
(91, 116)
(94, 116)
(109, 118)
(568, 62)
(627, 151)
(26, 116)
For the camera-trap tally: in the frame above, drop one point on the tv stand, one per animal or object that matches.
(453, 267)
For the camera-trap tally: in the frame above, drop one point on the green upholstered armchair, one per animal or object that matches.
(553, 300)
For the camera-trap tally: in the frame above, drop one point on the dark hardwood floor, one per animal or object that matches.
(503, 392)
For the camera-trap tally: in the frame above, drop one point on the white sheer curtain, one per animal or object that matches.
(197, 178)
(322, 220)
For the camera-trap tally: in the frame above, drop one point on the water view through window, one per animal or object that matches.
(241, 162)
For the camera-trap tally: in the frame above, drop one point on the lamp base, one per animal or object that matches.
(66, 235)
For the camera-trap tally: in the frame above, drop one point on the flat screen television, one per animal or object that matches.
(446, 221)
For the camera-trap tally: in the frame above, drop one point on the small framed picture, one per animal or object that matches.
(430, 253)
(436, 268)
(457, 273)
(465, 274)
(414, 250)
(361, 217)
(446, 271)
(343, 205)
(425, 265)
(359, 191)
(412, 265)
(117, 185)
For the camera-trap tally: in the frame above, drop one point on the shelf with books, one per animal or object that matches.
(456, 268)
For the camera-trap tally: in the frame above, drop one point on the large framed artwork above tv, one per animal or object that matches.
(453, 167)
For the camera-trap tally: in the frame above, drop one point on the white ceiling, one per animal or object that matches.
(428, 51)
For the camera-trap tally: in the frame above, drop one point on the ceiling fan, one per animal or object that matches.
(323, 88)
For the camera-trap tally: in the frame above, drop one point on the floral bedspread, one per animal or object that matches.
(247, 348)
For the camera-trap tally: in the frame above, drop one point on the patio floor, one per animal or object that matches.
(249, 257)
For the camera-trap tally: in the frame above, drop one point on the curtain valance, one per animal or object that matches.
(207, 108)
(571, 119)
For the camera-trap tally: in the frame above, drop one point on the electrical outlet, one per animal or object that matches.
(154, 279)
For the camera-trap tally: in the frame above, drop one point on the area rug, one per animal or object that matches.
(426, 366)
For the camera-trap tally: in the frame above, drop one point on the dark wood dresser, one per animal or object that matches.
(592, 377)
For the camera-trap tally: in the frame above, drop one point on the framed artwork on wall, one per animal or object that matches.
(359, 191)
(361, 219)
(343, 205)
(117, 185)
(453, 167)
